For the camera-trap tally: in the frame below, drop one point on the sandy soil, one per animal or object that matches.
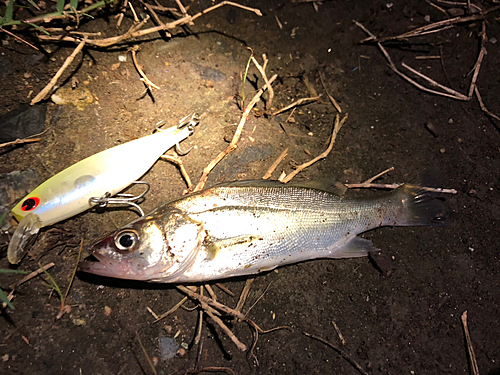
(406, 323)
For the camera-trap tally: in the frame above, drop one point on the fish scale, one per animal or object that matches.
(318, 224)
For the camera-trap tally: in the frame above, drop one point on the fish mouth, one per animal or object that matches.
(99, 264)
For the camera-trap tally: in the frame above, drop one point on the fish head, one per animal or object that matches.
(153, 248)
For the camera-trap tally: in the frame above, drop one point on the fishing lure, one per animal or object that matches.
(91, 182)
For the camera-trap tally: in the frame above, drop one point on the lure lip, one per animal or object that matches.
(23, 237)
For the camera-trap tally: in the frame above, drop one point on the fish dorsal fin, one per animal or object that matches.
(330, 186)
(252, 183)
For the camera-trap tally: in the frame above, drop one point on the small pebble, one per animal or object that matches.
(429, 126)
(107, 310)
(181, 352)
(443, 150)
(456, 12)
(79, 322)
(168, 348)
(168, 329)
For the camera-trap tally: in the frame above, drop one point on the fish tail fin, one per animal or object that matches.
(421, 206)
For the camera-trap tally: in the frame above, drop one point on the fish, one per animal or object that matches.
(108, 172)
(249, 227)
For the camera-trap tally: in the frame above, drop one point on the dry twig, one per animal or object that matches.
(211, 292)
(470, 349)
(275, 164)
(134, 32)
(258, 299)
(74, 271)
(148, 358)
(173, 309)
(433, 27)
(225, 289)
(227, 370)
(225, 328)
(181, 7)
(262, 70)
(198, 337)
(20, 141)
(295, 104)
(244, 294)
(207, 304)
(324, 154)
(256, 331)
(395, 186)
(54, 79)
(483, 107)
(332, 99)
(235, 139)
(18, 38)
(341, 336)
(177, 161)
(455, 95)
(33, 274)
(368, 184)
(210, 302)
(339, 351)
(152, 313)
(477, 65)
(144, 78)
(370, 180)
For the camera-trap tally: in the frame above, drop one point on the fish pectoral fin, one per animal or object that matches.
(356, 247)
(214, 245)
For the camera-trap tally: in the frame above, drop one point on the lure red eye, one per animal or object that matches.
(30, 204)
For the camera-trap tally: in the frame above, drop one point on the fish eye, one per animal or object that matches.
(126, 240)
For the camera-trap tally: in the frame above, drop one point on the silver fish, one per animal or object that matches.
(250, 227)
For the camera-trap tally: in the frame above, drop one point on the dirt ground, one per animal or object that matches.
(406, 323)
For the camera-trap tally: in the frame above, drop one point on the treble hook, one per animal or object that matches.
(179, 151)
(128, 199)
(190, 121)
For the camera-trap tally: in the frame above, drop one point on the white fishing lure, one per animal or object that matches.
(69, 192)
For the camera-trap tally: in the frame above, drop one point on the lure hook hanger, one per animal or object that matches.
(127, 199)
(190, 121)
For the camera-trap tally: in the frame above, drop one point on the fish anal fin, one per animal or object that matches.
(356, 247)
